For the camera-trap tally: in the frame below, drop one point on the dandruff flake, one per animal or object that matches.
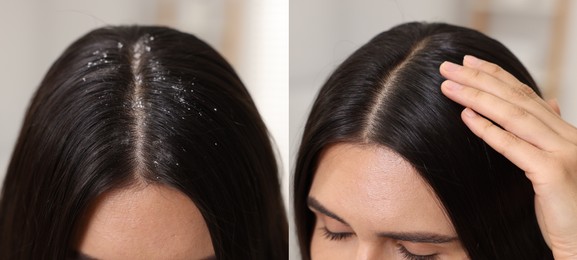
(138, 104)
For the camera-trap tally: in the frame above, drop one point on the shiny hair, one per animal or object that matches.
(388, 93)
(126, 105)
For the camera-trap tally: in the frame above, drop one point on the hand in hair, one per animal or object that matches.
(530, 133)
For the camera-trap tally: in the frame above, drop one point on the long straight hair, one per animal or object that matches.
(388, 93)
(124, 105)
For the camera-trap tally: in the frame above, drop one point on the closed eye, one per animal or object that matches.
(335, 236)
(410, 256)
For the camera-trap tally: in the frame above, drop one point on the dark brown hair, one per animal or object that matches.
(129, 104)
(388, 93)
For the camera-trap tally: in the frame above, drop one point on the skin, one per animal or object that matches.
(144, 222)
(531, 134)
(379, 205)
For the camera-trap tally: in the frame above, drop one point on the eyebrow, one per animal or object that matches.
(415, 237)
(418, 237)
(316, 205)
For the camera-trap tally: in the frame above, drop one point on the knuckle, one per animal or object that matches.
(518, 94)
(476, 74)
(476, 94)
(527, 91)
(513, 117)
(494, 69)
(518, 112)
(522, 92)
(487, 129)
(506, 140)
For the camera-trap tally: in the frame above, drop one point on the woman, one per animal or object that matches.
(393, 166)
(142, 142)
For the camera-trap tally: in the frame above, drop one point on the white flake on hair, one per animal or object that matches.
(138, 104)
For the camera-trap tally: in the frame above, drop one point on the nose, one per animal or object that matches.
(369, 251)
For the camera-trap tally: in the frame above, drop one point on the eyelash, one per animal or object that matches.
(406, 254)
(335, 236)
(410, 256)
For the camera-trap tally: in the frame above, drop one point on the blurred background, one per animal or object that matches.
(252, 35)
(542, 33)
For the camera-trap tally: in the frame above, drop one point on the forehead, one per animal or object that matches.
(153, 221)
(373, 185)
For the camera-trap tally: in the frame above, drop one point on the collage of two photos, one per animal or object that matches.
(290, 129)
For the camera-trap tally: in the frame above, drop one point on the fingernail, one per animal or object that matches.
(471, 60)
(469, 112)
(451, 85)
(449, 66)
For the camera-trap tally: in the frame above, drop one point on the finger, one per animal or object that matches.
(493, 79)
(521, 153)
(509, 116)
(554, 105)
(491, 69)
(499, 73)
(521, 95)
